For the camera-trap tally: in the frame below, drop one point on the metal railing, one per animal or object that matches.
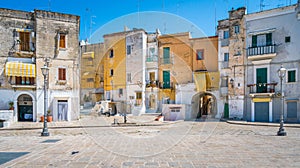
(262, 88)
(261, 50)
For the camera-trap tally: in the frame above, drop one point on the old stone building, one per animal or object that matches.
(29, 40)
(252, 48)
(231, 34)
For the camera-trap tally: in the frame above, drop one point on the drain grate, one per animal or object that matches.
(8, 156)
(51, 141)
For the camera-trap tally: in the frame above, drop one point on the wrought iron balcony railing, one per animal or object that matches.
(262, 88)
(261, 50)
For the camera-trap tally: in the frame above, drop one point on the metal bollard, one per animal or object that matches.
(125, 119)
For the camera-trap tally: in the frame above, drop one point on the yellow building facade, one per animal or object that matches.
(114, 62)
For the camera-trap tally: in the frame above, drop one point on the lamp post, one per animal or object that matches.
(45, 71)
(281, 74)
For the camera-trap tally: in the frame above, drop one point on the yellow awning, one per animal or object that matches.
(260, 99)
(200, 80)
(20, 69)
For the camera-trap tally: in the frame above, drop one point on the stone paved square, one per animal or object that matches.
(177, 144)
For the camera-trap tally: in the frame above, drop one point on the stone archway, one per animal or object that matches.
(25, 107)
(204, 104)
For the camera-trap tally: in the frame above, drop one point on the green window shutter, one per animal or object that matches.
(166, 55)
(269, 39)
(291, 76)
(166, 79)
(254, 41)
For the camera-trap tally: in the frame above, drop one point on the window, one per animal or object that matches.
(166, 55)
(254, 41)
(111, 72)
(62, 40)
(151, 57)
(269, 39)
(224, 81)
(262, 40)
(24, 80)
(288, 39)
(138, 96)
(128, 77)
(226, 34)
(90, 79)
(24, 38)
(200, 54)
(61, 73)
(128, 49)
(236, 29)
(291, 76)
(226, 57)
(152, 76)
(121, 92)
(111, 53)
(152, 51)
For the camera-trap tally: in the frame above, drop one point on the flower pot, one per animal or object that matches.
(49, 118)
(42, 118)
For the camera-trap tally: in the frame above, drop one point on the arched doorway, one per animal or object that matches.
(204, 105)
(25, 108)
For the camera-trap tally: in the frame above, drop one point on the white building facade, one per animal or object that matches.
(270, 45)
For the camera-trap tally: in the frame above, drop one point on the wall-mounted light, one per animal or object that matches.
(232, 82)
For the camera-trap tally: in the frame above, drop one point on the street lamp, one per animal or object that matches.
(281, 74)
(45, 71)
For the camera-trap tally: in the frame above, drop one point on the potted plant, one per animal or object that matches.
(11, 105)
(49, 116)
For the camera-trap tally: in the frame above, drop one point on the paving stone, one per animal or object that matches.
(220, 145)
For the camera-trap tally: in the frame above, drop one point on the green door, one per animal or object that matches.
(166, 79)
(261, 80)
(166, 55)
(226, 111)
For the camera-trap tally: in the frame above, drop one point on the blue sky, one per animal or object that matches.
(101, 17)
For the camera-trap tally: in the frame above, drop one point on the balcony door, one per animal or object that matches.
(261, 80)
(166, 79)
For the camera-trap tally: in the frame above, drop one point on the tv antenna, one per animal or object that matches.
(49, 5)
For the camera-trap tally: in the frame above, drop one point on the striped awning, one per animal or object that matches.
(20, 69)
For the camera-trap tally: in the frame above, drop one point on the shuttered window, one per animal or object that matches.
(254, 41)
(62, 41)
(269, 39)
(61, 73)
(292, 76)
(24, 41)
